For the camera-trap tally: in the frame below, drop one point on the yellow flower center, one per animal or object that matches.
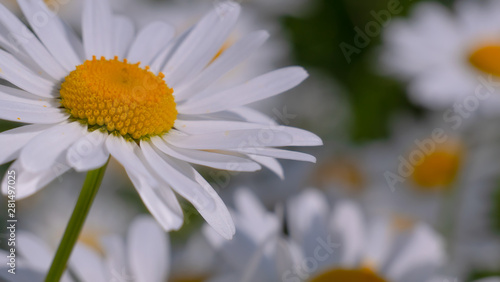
(438, 170)
(487, 59)
(348, 275)
(119, 97)
(341, 171)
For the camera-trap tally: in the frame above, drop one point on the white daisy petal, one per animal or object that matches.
(347, 220)
(28, 183)
(89, 152)
(425, 248)
(148, 251)
(16, 73)
(271, 164)
(229, 140)
(123, 35)
(277, 153)
(53, 32)
(35, 252)
(259, 88)
(160, 201)
(87, 265)
(229, 59)
(201, 44)
(210, 159)
(43, 150)
(17, 95)
(253, 116)
(29, 113)
(12, 141)
(116, 260)
(97, 29)
(190, 185)
(307, 216)
(300, 137)
(27, 42)
(150, 41)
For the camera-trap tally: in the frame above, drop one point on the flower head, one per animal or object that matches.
(146, 99)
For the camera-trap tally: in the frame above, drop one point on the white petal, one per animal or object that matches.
(87, 265)
(148, 251)
(53, 32)
(12, 141)
(116, 260)
(271, 164)
(34, 251)
(308, 222)
(277, 153)
(379, 241)
(229, 140)
(97, 29)
(347, 220)
(28, 183)
(190, 185)
(123, 35)
(16, 73)
(43, 150)
(259, 88)
(89, 152)
(253, 116)
(249, 206)
(425, 247)
(229, 59)
(12, 94)
(160, 201)
(300, 137)
(30, 113)
(27, 42)
(201, 45)
(150, 41)
(210, 159)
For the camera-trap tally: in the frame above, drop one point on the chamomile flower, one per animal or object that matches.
(144, 99)
(447, 57)
(343, 245)
(144, 255)
(324, 245)
(259, 251)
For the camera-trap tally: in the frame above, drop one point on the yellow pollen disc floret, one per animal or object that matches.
(348, 275)
(119, 97)
(438, 170)
(486, 59)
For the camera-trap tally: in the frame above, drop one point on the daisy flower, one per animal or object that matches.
(447, 57)
(259, 251)
(144, 255)
(343, 245)
(325, 245)
(145, 99)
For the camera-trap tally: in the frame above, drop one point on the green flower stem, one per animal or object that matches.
(75, 224)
